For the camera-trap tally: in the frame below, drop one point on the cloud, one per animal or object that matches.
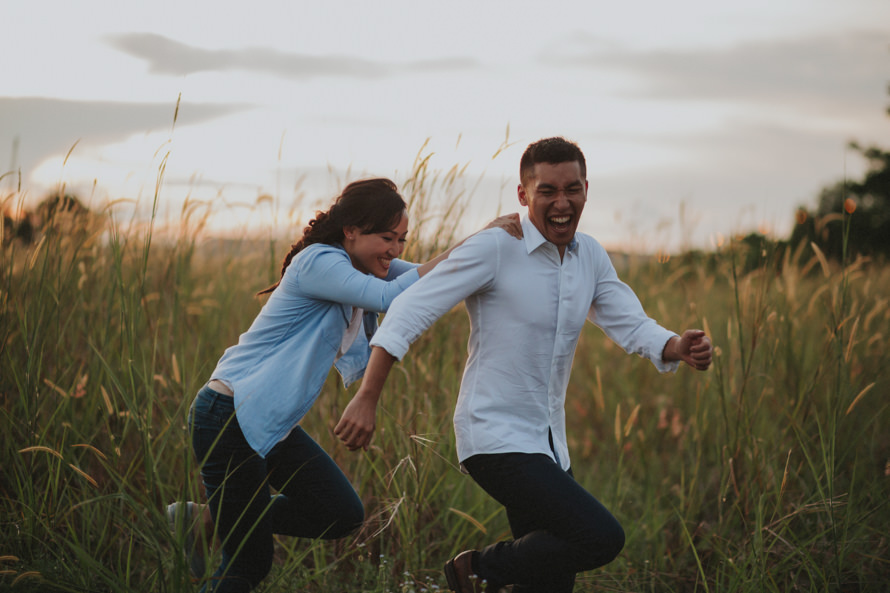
(847, 71)
(166, 56)
(42, 127)
(735, 180)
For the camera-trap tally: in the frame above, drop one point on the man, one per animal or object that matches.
(527, 300)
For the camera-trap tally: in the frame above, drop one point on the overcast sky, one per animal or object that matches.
(698, 118)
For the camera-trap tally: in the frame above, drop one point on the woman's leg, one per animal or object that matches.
(315, 498)
(237, 490)
(561, 529)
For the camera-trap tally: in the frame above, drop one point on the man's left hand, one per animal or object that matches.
(693, 347)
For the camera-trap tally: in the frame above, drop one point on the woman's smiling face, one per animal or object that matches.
(372, 253)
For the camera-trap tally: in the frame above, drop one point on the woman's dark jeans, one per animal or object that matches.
(559, 528)
(315, 500)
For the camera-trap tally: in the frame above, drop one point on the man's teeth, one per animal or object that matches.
(559, 219)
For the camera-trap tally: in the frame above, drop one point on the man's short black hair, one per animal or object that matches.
(550, 150)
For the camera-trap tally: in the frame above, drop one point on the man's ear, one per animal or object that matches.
(523, 199)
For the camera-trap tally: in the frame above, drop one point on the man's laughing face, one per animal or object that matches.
(555, 197)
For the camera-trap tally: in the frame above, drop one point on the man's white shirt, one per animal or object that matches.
(527, 309)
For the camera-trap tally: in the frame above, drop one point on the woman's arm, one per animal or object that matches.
(326, 273)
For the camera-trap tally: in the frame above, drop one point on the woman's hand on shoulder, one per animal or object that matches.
(509, 222)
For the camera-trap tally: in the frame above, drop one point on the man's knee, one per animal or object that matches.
(615, 543)
(603, 546)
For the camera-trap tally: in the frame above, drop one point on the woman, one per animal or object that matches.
(244, 422)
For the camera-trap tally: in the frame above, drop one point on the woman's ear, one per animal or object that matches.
(350, 232)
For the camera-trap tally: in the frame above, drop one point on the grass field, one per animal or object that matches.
(770, 472)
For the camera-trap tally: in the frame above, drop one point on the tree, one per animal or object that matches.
(862, 205)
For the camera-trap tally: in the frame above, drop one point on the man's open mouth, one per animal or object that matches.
(560, 223)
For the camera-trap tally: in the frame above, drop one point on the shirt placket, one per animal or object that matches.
(554, 389)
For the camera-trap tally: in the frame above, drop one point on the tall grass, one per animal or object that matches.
(771, 472)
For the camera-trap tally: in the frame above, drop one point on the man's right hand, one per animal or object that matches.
(356, 426)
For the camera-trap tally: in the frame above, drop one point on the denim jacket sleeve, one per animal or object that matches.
(325, 272)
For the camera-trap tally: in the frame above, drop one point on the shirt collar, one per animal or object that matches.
(534, 238)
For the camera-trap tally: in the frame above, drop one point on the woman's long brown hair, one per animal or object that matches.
(372, 205)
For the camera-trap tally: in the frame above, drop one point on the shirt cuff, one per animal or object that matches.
(394, 344)
(660, 364)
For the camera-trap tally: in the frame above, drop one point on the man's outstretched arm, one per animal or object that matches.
(356, 426)
(466, 271)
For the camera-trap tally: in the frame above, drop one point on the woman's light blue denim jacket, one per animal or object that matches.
(279, 365)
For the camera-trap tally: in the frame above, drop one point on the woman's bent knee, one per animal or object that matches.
(349, 520)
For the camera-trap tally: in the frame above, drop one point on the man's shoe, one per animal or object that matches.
(460, 576)
(187, 514)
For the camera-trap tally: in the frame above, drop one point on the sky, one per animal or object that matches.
(698, 119)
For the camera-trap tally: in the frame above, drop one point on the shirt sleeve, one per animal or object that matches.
(469, 268)
(618, 312)
(398, 267)
(327, 274)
